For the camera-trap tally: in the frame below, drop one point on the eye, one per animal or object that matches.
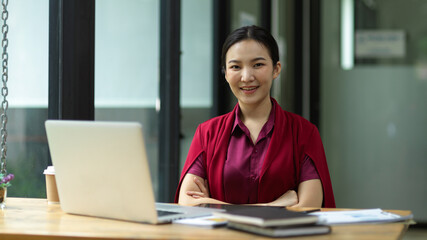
(257, 65)
(234, 67)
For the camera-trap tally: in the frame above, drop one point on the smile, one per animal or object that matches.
(248, 88)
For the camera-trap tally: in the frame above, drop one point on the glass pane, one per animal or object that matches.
(373, 117)
(196, 68)
(27, 151)
(381, 38)
(283, 87)
(244, 13)
(126, 67)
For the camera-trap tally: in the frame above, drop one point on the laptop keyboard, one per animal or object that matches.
(162, 213)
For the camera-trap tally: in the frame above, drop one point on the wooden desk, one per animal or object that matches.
(26, 218)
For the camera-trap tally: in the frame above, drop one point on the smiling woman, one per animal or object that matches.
(250, 73)
(257, 153)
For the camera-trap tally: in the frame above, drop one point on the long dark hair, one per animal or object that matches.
(256, 33)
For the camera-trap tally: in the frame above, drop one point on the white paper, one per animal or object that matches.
(208, 221)
(358, 216)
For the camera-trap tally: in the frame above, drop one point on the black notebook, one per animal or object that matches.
(267, 216)
(292, 231)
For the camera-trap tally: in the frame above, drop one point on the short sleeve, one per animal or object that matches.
(308, 170)
(198, 167)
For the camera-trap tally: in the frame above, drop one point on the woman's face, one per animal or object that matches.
(250, 72)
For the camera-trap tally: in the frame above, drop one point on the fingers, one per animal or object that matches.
(292, 198)
(202, 186)
(289, 198)
(198, 183)
(195, 194)
(291, 192)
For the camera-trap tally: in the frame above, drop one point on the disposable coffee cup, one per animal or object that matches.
(51, 190)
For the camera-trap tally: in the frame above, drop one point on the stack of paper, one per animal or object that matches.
(358, 216)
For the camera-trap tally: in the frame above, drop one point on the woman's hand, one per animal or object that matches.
(310, 194)
(194, 190)
(289, 198)
(203, 186)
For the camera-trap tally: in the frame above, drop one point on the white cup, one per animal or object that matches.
(51, 190)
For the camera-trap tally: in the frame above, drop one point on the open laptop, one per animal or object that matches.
(102, 170)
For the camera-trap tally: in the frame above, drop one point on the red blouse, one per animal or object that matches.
(293, 138)
(244, 162)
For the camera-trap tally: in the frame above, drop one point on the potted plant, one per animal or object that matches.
(4, 184)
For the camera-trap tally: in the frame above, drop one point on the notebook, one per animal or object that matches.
(102, 171)
(292, 231)
(267, 216)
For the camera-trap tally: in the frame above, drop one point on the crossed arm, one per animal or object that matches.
(194, 190)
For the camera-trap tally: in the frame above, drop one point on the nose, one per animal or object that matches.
(247, 75)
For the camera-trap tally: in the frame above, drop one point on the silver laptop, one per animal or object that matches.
(102, 170)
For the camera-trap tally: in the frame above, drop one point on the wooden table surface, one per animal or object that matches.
(29, 218)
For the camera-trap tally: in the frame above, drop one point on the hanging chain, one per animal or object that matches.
(4, 89)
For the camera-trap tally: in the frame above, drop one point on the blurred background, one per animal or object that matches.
(355, 68)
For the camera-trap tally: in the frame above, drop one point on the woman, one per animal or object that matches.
(258, 153)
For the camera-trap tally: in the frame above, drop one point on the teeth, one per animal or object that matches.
(248, 89)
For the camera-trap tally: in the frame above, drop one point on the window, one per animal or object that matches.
(196, 69)
(126, 68)
(27, 153)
